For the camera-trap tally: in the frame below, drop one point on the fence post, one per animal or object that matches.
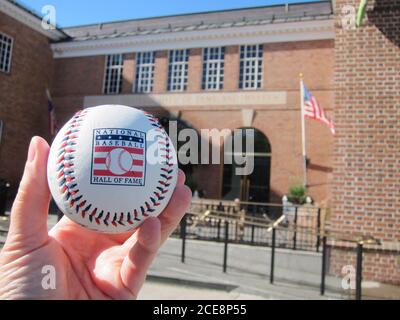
(226, 245)
(183, 236)
(323, 271)
(252, 234)
(295, 229)
(236, 231)
(318, 229)
(219, 230)
(271, 274)
(359, 270)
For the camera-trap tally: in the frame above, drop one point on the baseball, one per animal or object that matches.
(110, 167)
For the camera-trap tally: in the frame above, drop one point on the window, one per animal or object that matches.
(5, 52)
(178, 70)
(213, 68)
(113, 74)
(251, 66)
(144, 71)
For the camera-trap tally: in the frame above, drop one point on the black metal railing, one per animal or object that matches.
(223, 226)
(249, 223)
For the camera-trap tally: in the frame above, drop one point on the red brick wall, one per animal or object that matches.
(366, 154)
(231, 72)
(195, 70)
(129, 73)
(23, 103)
(76, 77)
(377, 266)
(161, 72)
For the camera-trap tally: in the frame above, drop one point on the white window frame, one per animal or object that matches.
(7, 68)
(183, 80)
(139, 87)
(258, 70)
(107, 79)
(206, 67)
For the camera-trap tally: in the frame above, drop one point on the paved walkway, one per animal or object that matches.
(201, 276)
(247, 272)
(160, 290)
(297, 274)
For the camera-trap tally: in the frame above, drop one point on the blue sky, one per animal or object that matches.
(78, 12)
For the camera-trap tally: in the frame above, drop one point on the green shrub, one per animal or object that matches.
(297, 194)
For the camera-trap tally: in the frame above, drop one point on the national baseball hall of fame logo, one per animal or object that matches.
(118, 157)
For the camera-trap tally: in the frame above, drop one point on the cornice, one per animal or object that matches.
(275, 32)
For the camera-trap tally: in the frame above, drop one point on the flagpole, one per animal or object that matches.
(303, 131)
(52, 123)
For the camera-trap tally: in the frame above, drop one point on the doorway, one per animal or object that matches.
(254, 187)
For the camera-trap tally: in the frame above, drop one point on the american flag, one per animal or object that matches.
(313, 110)
(52, 115)
(118, 153)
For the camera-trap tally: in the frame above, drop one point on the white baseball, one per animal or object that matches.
(110, 167)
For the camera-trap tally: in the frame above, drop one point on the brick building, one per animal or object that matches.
(366, 184)
(233, 69)
(26, 70)
(128, 63)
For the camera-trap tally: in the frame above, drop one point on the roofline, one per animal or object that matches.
(196, 13)
(26, 9)
(35, 15)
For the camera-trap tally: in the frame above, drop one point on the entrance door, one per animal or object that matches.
(255, 186)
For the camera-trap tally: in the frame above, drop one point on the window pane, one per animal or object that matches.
(251, 66)
(113, 74)
(145, 62)
(213, 68)
(178, 70)
(5, 52)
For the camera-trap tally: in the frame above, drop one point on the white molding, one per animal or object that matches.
(192, 100)
(29, 20)
(268, 33)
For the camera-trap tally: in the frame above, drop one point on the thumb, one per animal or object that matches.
(28, 225)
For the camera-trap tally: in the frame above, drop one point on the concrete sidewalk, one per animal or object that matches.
(160, 290)
(297, 273)
(248, 271)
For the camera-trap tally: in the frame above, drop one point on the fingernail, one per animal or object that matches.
(31, 150)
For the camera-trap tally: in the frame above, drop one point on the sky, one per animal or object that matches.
(80, 12)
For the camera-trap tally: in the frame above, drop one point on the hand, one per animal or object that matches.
(87, 264)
